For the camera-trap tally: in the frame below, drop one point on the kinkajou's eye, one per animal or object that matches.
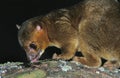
(33, 46)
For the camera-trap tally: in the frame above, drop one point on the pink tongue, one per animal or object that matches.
(34, 61)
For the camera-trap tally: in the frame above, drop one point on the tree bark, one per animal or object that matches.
(55, 69)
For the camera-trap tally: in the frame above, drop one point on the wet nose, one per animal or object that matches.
(33, 46)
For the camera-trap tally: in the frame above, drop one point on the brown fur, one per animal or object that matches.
(92, 26)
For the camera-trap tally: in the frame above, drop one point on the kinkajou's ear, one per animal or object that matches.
(38, 27)
(18, 26)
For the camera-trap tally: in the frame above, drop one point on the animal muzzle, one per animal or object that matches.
(33, 57)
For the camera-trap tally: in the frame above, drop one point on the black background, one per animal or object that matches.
(14, 12)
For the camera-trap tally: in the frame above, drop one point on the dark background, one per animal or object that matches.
(14, 12)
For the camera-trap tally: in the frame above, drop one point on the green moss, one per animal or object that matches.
(32, 74)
